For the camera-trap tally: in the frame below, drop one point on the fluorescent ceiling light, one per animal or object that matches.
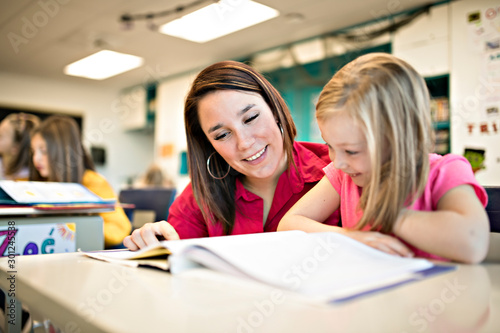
(218, 19)
(103, 64)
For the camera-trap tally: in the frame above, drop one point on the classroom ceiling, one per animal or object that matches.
(40, 37)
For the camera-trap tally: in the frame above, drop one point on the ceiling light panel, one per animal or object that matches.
(103, 64)
(218, 19)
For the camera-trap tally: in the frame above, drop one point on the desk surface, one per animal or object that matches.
(80, 294)
(27, 211)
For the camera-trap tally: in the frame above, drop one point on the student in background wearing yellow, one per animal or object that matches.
(245, 166)
(15, 132)
(59, 156)
(393, 193)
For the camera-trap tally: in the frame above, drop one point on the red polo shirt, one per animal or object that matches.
(185, 215)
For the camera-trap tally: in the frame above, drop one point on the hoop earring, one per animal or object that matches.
(210, 172)
(281, 129)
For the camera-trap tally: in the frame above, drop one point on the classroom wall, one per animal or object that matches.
(475, 83)
(435, 44)
(431, 44)
(447, 42)
(424, 43)
(170, 137)
(126, 153)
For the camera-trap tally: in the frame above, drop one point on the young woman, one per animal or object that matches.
(393, 194)
(246, 170)
(59, 156)
(15, 145)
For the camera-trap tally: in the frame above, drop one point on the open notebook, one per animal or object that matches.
(49, 195)
(326, 266)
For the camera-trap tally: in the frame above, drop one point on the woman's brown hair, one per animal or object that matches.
(67, 157)
(22, 124)
(215, 197)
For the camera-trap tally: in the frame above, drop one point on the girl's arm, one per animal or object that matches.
(458, 229)
(318, 204)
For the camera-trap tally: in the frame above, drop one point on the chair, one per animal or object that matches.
(151, 204)
(493, 208)
(493, 211)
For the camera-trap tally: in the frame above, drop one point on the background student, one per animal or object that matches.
(15, 130)
(246, 170)
(154, 177)
(59, 156)
(394, 195)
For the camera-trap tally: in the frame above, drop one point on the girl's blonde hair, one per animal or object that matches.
(389, 100)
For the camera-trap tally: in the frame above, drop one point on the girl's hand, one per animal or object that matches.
(149, 234)
(382, 242)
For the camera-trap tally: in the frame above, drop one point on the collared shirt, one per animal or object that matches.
(186, 217)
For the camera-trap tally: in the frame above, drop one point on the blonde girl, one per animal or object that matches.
(393, 193)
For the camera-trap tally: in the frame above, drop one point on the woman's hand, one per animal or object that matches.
(382, 242)
(148, 234)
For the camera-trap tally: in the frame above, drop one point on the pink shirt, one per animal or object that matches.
(446, 172)
(185, 215)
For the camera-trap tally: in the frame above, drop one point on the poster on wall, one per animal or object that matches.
(475, 86)
(484, 25)
(37, 238)
(484, 35)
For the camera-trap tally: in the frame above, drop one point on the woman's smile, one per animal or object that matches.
(256, 156)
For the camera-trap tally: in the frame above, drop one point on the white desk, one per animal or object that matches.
(89, 225)
(79, 294)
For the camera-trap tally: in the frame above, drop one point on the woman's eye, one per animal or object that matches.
(221, 136)
(252, 118)
(350, 152)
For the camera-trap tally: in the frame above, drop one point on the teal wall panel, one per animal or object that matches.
(300, 86)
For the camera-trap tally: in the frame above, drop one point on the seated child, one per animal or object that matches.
(59, 156)
(393, 193)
